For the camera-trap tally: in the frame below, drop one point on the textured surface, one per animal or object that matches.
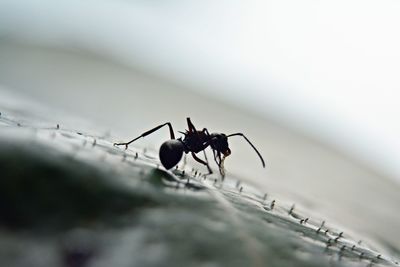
(127, 102)
(68, 197)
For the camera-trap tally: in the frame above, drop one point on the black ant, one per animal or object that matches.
(194, 141)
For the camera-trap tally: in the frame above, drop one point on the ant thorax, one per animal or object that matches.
(195, 141)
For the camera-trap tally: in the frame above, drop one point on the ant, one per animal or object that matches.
(194, 141)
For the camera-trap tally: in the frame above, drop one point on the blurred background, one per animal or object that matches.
(313, 84)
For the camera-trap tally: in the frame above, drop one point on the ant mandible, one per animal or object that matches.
(194, 141)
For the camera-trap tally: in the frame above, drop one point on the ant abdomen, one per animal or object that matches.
(171, 152)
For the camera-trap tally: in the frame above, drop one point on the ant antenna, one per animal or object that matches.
(248, 141)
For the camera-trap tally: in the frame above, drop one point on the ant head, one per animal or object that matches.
(219, 142)
(171, 152)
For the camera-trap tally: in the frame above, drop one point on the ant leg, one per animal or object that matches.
(248, 141)
(190, 125)
(220, 162)
(202, 162)
(215, 156)
(221, 165)
(171, 132)
(205, 131)
(205, 155)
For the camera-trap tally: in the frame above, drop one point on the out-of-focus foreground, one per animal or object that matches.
(70, 198)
